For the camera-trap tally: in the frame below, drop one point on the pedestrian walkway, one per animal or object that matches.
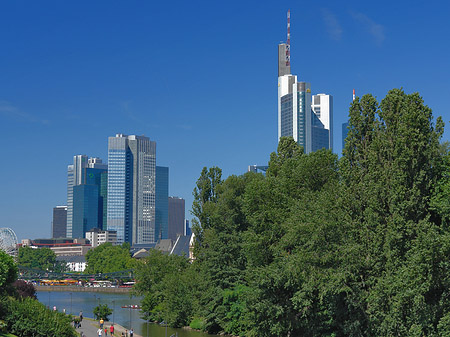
(89, 327)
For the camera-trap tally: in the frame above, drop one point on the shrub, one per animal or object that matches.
(102, 311)
(29, 317)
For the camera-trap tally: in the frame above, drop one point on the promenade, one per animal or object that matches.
(89, 327)
(83, 289)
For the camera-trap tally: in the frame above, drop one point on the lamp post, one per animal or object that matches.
(70, 304)
(114, 309)
(49, 299)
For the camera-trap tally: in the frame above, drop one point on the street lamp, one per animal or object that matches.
(49, 299)
(70, 304)
(114, 309)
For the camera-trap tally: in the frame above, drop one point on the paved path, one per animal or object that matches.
(89, 327)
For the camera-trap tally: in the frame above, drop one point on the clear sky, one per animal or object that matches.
(197, 77)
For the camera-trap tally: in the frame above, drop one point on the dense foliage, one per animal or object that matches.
(321, 246)
(20, 313)
(39, 258)
(8, 272)
(107, 258)
(102, 311)
(25, 289)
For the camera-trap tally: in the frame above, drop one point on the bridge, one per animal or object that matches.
(26, 273)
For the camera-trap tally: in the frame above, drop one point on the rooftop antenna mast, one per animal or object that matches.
(288, 42)
(354, 94)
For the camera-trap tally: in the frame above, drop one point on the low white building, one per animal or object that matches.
(97, 237)
(74, 262)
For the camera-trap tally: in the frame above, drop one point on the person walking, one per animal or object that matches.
(111, 329)
(99, 332)
(106, 331)
(101, 323)
(131, 332)
(81, 316)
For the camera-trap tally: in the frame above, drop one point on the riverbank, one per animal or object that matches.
(84, 289)
(89, 327)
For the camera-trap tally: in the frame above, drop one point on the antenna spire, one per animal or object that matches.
(354, 94)
(288, 42)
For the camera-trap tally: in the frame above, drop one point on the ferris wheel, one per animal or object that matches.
(8, 241)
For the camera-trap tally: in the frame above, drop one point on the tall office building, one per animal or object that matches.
(85, 193)
(162, 203)
(176, 217)
(59, 223)
(306, 118)
(131, 188)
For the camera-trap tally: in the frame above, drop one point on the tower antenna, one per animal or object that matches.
(288, 42)
(354, 94)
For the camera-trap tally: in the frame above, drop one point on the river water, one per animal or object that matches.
(85, 301)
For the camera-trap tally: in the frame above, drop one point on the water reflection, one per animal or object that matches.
(86, 301)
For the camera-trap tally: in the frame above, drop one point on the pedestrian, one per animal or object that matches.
(122, 335)
(81, 316)
(106, 331)
(101, 323)
(111, 329)
(131, 332)
(99, 332)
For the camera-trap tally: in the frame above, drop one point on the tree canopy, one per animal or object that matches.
(107, 258)
(322, 246)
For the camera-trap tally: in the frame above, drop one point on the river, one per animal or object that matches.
(87, 301)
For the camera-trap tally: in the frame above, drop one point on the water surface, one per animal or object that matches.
(86, 301)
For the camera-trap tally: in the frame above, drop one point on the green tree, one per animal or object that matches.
(8, 272)
(107, 258)
(39, 258)
(102, 311)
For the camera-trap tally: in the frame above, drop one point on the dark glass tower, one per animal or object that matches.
(176, 217)
(59, 222)
(162, 203)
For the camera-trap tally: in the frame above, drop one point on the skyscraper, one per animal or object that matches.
(162, 203)
(307, 119)
(59, 223)
(131, 188)
(83, 201)
(176, 217)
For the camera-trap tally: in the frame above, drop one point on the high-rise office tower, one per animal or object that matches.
(306, 118)
(176, 217)
(59, 223)
(187, 228)
(85, 193)
(131, 188)
(162, 203)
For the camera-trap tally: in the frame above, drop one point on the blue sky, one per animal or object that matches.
(197, 77)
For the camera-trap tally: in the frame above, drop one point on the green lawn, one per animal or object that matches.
(4, 334)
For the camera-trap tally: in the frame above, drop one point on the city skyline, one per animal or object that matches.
(203, 87)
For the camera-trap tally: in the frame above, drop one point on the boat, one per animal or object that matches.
(131, 306)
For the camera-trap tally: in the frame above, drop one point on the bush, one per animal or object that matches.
(102, 311)
(29, 317)
(197, 324)
(25, 289)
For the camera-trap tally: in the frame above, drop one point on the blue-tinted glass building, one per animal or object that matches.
(131, 188)
(162, 203)
(85, 195)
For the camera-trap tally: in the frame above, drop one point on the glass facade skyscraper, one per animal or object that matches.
(59, 223)
(84, 195)
(307, 118)
(131, 188)
(162, 203)
(176, 217)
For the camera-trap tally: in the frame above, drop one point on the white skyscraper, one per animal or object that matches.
(307, 119)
